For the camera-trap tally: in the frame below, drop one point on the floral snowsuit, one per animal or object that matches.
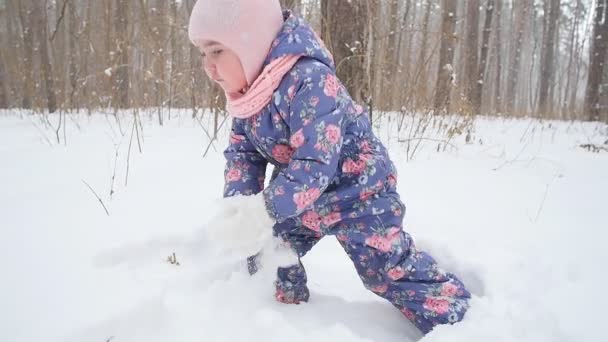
(333, 176)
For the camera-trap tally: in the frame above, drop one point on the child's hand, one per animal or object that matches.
(241, 226)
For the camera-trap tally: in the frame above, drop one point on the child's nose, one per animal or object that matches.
(210, 69)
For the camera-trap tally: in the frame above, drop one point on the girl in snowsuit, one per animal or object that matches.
(332, 175)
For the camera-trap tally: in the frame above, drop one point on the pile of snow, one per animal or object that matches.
(519, 213)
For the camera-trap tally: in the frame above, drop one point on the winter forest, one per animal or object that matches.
(541, 58)
(460, 197)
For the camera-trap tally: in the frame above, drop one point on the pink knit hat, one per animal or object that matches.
(248, 27)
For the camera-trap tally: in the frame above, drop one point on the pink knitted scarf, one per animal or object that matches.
(260, 93)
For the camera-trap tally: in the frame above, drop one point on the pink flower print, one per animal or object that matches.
(354, 167)
(233, 175)
(439, 306)
(279, 191)
(396, 273)
(449, 290)
(314, 101)
(408, 314)
(394, 235)
(331, 86)
(364, 195)
(392, 179)
(332, 133)
(358, 109)
(282, 153)
(366, 157)
(312, 221)
(379, 243)
(236, 138)
(380, 288)
(305, 198)
(291, 92)
(331, 218)
(297, 139)
(364, 145)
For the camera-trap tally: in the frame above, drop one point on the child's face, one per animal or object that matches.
(223, 66)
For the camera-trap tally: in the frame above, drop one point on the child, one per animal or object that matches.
(332, 175)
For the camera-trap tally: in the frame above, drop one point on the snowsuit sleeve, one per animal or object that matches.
(245, 166)
(315, 122)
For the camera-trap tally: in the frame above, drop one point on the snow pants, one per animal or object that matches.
(385, 258)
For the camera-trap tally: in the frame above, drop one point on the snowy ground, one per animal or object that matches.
(519, 214)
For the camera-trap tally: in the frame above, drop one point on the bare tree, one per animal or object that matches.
(175, 51)
(597, 59)
(471, 62)
(3, 97)
(121, 64)
(122, 54)
(422, 63)
(446, 56)
(485, 46)
(72, 57)
(294, 5)
(516, 49)
(498, 54)
(547, 61)
(39, 15)
(25, 17)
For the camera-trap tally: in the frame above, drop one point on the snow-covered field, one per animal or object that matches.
(520, 214)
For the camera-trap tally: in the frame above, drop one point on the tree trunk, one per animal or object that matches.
(72, 41)
(10, 59)
(597, 59)
(471, 65)
(45, 62)
(294, 5)
(446, 56)
(57, 40)
(86, 98)
(569, 71)
(339, 32)
(515, 63)
(25, 17)
(392, 57)
(498, 51)
(3, 81)
(109, 49)
(121, 76)
(422, 74)
(487, 29)
(174, 51)
(159, 31)
(547, 64)
(409, 35)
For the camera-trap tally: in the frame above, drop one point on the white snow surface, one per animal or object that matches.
(519, 214)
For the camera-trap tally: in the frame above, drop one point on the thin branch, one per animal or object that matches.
(129, 153)
(114, 173)
(445, 142)
(98, 198)
(211, 142)
(206, 132)
(59, 19)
